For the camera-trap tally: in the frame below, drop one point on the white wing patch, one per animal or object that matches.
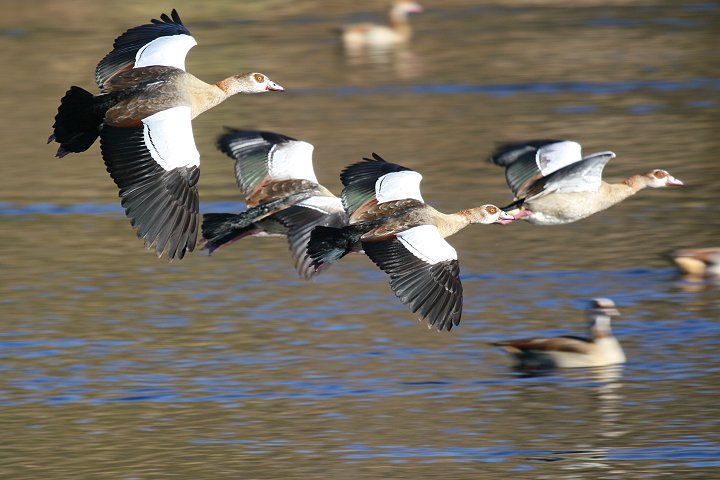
(323, 204)
(398, 186)
(169, 138)
(169, 51)
(292, 160)
(426, 243)
(585, 177)
(555, 156)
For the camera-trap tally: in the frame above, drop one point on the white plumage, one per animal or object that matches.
(169, 138)
(169, 51)
(398, 186)
(292, 160)
(426, 243)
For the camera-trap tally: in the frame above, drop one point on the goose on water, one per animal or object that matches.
(371, 35)
(601, 349)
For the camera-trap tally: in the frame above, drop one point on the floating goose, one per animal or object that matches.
(403, 236)
(361, 35)
(567, 351)
(554, 184)
(696, 263)
(275, 174)
(143, 118)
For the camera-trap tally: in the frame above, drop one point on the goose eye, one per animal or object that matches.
(492, 210)
(259, 78)
(661, 174)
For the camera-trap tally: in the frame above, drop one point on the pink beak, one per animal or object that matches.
(274, 87)
(505, 218)
(672, 181)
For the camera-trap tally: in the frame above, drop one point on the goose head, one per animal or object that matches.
(488, 214)
(401, 8)
(661, 178)
(601, 311)
(251, 83)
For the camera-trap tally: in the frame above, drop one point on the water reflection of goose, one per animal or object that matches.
(553, 184)
(275, 174)
(370, 35)
(570, 351)
(403, 236)
(143, 118)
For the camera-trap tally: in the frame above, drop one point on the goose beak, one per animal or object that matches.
(520, 213)
(274, 87)
(672, 181)
(504, 218)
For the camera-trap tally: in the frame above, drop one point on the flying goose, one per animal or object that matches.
(403, 236)
(143, 118)
(275, 174)
(554, 184)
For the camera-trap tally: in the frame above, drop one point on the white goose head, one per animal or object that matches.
(487, 214)
(602, 310)
(401, 8)
(661, 178)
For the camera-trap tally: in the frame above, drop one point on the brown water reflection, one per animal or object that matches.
(119, 365)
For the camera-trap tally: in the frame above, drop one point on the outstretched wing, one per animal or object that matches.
(583, 176)
(157, 168)
(161, 42)
(527, 162)
(376, 181)
(263, 157)
(424, 273)
(301, 219)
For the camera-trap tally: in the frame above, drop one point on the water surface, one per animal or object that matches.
(118, 365)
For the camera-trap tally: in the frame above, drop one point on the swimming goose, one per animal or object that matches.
(360, 35)
(567, 351)
(275, 174)
(403, 236)
(554, 184)
(143, 118)
(698, 262)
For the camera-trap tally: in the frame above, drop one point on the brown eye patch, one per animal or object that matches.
(259, 78)
(492, 210)
(660, 174)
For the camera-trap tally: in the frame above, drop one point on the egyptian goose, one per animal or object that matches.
(361, 35)
(554, 184)
(143, 118)
(403, 236)
(698, 262)
(568, 351)
(275, 174)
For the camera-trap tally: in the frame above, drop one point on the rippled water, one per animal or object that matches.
(118, 365)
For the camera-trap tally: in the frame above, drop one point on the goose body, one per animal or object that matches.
(601, 349)
(371, 35)
(143, 117)
(403, 236)
(554, 184)
(275, 174)
(697, 263)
